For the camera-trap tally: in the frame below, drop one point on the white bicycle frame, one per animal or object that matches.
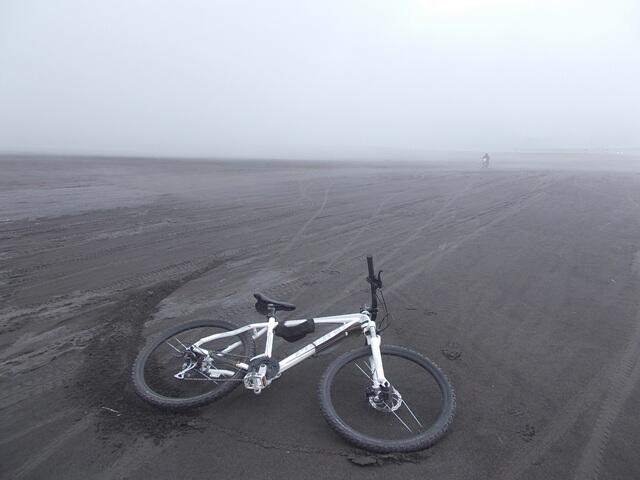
(346, 322)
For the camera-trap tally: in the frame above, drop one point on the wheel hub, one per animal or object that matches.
(385, 399)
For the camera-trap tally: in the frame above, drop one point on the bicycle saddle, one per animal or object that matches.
(263, 301)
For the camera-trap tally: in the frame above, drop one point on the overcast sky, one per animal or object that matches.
(303, 78)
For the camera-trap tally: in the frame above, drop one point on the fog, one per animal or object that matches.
(317, 79)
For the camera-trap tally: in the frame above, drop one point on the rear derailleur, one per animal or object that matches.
(197, 366)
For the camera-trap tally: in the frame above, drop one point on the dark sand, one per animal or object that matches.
(527, 278)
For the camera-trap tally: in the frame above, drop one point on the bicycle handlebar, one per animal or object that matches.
(372, 273)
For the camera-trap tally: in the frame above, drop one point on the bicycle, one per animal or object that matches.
(361, 393)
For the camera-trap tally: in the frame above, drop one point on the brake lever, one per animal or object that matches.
(376, 281)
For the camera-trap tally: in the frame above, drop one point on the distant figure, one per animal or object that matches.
(485, 160)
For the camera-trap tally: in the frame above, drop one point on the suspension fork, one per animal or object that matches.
(375, 360)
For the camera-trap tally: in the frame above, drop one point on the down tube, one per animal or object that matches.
(310, 349)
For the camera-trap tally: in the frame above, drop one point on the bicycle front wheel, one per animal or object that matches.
(411, 414)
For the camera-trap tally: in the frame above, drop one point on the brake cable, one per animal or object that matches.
(388, 317)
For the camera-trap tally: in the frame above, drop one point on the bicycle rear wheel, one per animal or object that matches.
(168, 374)
(412, 414)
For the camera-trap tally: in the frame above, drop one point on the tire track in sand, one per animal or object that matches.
(624, 381)
(418, 264)
(52, 447)
(297, 235)
(625, 378)
(334, 257)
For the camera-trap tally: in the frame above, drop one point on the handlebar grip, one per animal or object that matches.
(370, 265)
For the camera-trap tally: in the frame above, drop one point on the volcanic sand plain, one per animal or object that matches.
(521, 281)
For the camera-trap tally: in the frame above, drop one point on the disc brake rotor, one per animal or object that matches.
(386, 400)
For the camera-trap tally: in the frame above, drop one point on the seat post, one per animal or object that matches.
(271, 317)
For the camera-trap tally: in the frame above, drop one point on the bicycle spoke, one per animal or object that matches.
(207, 377)
(368, 364)
(176, 349)
(411, 412)
(398, 417)
(183, 345)
(365, 373)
